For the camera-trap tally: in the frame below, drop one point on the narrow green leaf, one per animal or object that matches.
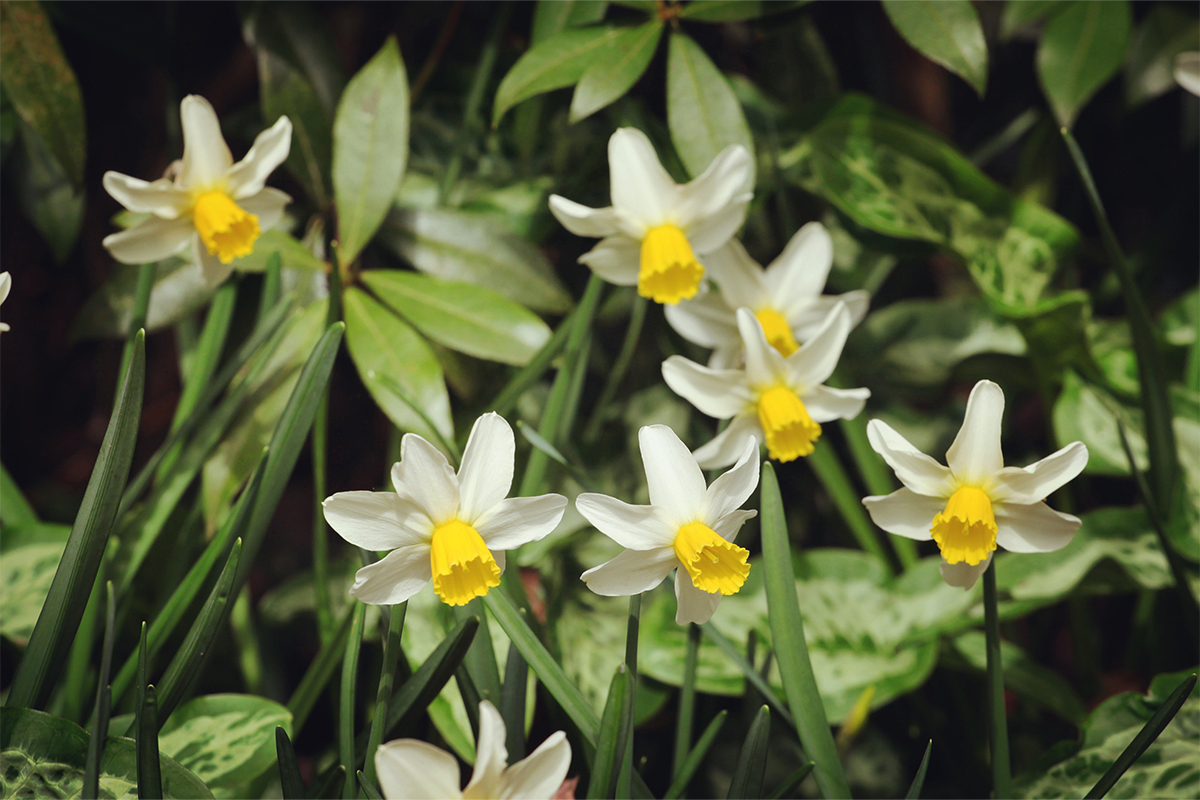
(1082, 47)
(284, 91)
(269, 296)
(687, 700)
(470, 697)
(481, 657)
(918, 781)
(346, 699)
(558, 61)
(948, 32)
(426, 683)
(368, 789)
(149, 771)
(325, 785)
(51, 639)
(692, 763)
(318, 673)
(752, 760)
(370, 150)
(207, 353)
(99, 726)
(291, 783)
(506, 399)
(787, 633)
(609, 745)
(615, 70)
(749, 672)
(827, 465)
(1001, 769)
(792, 782)
(512, 702)
(387, 675)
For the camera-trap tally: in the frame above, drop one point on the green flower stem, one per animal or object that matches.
(637, 319)
(1001, 772)
(631, 648)
(141, 308)
(877, 478)
(80, 656)
(825, 463)
(346, 701)
(387, 675)
(687, 701)
(320, 540)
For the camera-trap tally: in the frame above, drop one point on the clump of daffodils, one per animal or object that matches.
(206, 201)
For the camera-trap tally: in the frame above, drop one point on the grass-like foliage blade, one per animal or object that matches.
(918, 781)
(751, 674)
(346, 701)
(611, 744)
(792, 782)
(687, 769)
(318, 674)
(391, 657)
(149, 769)
(752, 761)
(290, 781)
(427, 682)
(368, 789)
(512, 702)
(99, 726)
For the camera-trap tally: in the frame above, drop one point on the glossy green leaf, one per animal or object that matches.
(224, 739)
(149, 769)
(552, 16)
(615, 69)
(304, 38)
(1022, 14)
(290, 781)
(102, 708)
(1166, 31)
(747, 781)
(26, 573)
(918, 781)
(416, 693)
(284, 91)
(14, 508)
(553, 63)
(292, 254)
(725, 10)
(1082, 47)
(948, 32)
(370, 148)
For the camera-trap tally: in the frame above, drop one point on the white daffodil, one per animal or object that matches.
(975, 503)
(206, 200)
(655, 228)
(410, 769)
(686, 525)
(5, 286)
(786, 297)
(1187, 71)
(776, 399)
(450, 528)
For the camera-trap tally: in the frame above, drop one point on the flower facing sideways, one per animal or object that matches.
(686, 525)
(410, 769)
(450, 528)
(779, 400)
(786, 297)
(209, 202)
(655, 228)
(975, 503)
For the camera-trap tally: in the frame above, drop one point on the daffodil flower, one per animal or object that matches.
(686, 525)
(776, 399)
(207, 201)
(975, 503)
(5, 286)
(450, 528)
(655, 228)
(786, 297)
(410, 769)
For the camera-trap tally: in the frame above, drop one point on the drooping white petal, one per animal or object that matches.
(518, 520)
(905, 513)
(706, 320)
(640, 186)
(424, 475)
(632, 527)
(539, 775)
(582, 220)
(211, 267)
(1041, 479)
(267, 205)
(825, 403)
(799, 273)
(410, 769)
(487, 467)
(632, 572)
(270, 149)
(711, 191)
(727, 527)
(675, 482)
(1187, 71)
(764, 364)
(161, 198)
(740, 277)
(616, 259)
(693, 605)
(732, 488)
(720, 227)
(915, 470)
(206, 157)
(726, 447)
(719, 393)
(962, 574)
(975, 455)
(377, 520)
(816, 359)
(394, 578)
(491, 754)
(806, 320)
(1033, 528)
(5, 285)
(151, 240)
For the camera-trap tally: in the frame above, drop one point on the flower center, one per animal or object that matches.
(463, 568)
(779, 335)
(790, 431)
(966, 530)
(714, 564)
(225, 228)
(669, 272)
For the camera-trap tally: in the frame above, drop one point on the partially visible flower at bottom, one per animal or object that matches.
(5, 286)
(410, 769)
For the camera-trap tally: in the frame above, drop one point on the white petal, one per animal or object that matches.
(410, 769)
(719, 228)
(764, 364)
(640, 186)
(816, 359)
(740, 277)
(962, 574)
(487, 467)
(710, 192)
(905, 513)
(395, 578)
(825, 403)
(270, 149)
(211, 267)
(377, 520)
(582, 220)
(1033, 528)
(161, 197)
(151, 240)
(518, 520)
(1041, 479)
(975, 456)
(632, 527)
(706, 320)
(806, 320)
(915, 470)
(424, 476)
(539, 775)
(632, 572)
(491, 755)
(727, 446)
(267, 205)
(693, 605)
(206, 157)
(1187, 71)
(734, 487)
(674, 479)
(5, 285)
(727, 527)
(800, 271)
(719, 393)
(616, 259)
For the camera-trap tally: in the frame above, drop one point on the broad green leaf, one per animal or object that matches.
(283, 91)
(1019, 14)
(462, 246)
(383, 344)
(14, 508)
(25, 576)
(463, 317)
(703, 113)
(370, 148)
(292, 254)
(724, 10)
(1167, 31)
(948, 32)
(299, 34)
(552, 16)
(1025, 676)
(45, 193)
(1087, 414)
(179, 290)
(615, 69)
(1082, 47)
(41, 86)
(551, 64)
